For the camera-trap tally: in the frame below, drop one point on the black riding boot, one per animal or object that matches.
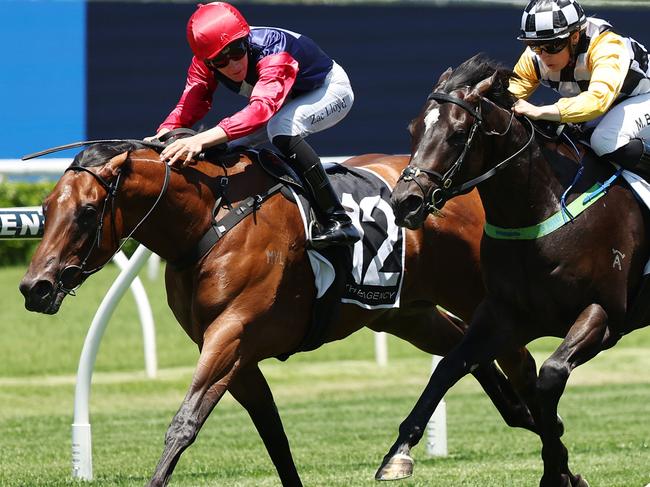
(635, 156)
(644, 161)
(337, 228)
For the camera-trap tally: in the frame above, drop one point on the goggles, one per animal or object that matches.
(549, 47)
(233, 51)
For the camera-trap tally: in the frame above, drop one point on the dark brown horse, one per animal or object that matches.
(577, 281)
(237, 304)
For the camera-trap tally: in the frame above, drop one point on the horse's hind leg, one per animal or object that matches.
(519, 365)
(514, 411)
(586, 338)
(214, 371)
(250, 389)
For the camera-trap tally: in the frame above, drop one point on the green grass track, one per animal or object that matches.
(340, 411)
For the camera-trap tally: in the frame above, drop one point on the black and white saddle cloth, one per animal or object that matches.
(374, 279)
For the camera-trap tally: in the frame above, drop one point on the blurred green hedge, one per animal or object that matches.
(13, 194)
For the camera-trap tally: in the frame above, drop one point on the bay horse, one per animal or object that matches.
(236, 303)
(577, 281)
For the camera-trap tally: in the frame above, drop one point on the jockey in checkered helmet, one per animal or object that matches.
(551, 19)
(603, 79)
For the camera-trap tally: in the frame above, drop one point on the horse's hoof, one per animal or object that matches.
(400, 466)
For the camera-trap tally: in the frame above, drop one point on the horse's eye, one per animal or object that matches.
(87, 217)
(457, 138)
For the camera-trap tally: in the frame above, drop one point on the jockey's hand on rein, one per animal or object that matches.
(522, 107)
(181, 152)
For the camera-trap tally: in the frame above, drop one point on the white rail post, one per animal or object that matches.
(146, 317)
(381, 349)
(153, 266)
(437, 425)
(82, 466)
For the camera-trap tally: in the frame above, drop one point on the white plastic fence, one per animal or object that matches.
(82, 466)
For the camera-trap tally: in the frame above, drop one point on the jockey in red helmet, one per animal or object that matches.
(294, 89)
(213, 27)
(603, 78)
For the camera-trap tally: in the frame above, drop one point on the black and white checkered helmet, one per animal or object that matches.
(551, 19)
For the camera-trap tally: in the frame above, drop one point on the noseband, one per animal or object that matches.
(69, 273)
(445, 190)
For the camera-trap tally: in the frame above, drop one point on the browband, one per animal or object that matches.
(444, 97)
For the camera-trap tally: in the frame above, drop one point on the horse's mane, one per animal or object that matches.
(475, 70)
(100, 154)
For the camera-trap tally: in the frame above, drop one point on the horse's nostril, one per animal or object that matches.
(413, 203)
(37, 294)
(41, 290)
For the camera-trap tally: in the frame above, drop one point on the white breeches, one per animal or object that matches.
(308, 113)
(627, 120)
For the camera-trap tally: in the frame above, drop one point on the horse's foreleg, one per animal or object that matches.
(250, 389)
(584, 341)
(214, 371)
(438, 333)
(481, 344)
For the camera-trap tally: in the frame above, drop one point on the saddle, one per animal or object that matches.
(277, 167)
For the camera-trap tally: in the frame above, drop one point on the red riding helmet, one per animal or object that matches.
(213, 26)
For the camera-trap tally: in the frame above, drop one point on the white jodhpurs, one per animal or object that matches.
(308, 113)
(625, 121)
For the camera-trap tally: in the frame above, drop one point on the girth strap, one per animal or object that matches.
(219, 228)
(555, 221)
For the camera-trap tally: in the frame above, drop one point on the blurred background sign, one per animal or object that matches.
(96, 69)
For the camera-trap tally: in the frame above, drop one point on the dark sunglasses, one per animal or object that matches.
(552, 47)
(233, 51)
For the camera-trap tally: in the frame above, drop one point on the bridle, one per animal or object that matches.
(72, 272)
(444, 182)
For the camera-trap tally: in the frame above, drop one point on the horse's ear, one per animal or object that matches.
(444, 77)
(112, 167)
(485, 86)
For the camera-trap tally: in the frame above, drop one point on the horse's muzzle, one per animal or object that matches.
(409, 210)
(41, 296)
